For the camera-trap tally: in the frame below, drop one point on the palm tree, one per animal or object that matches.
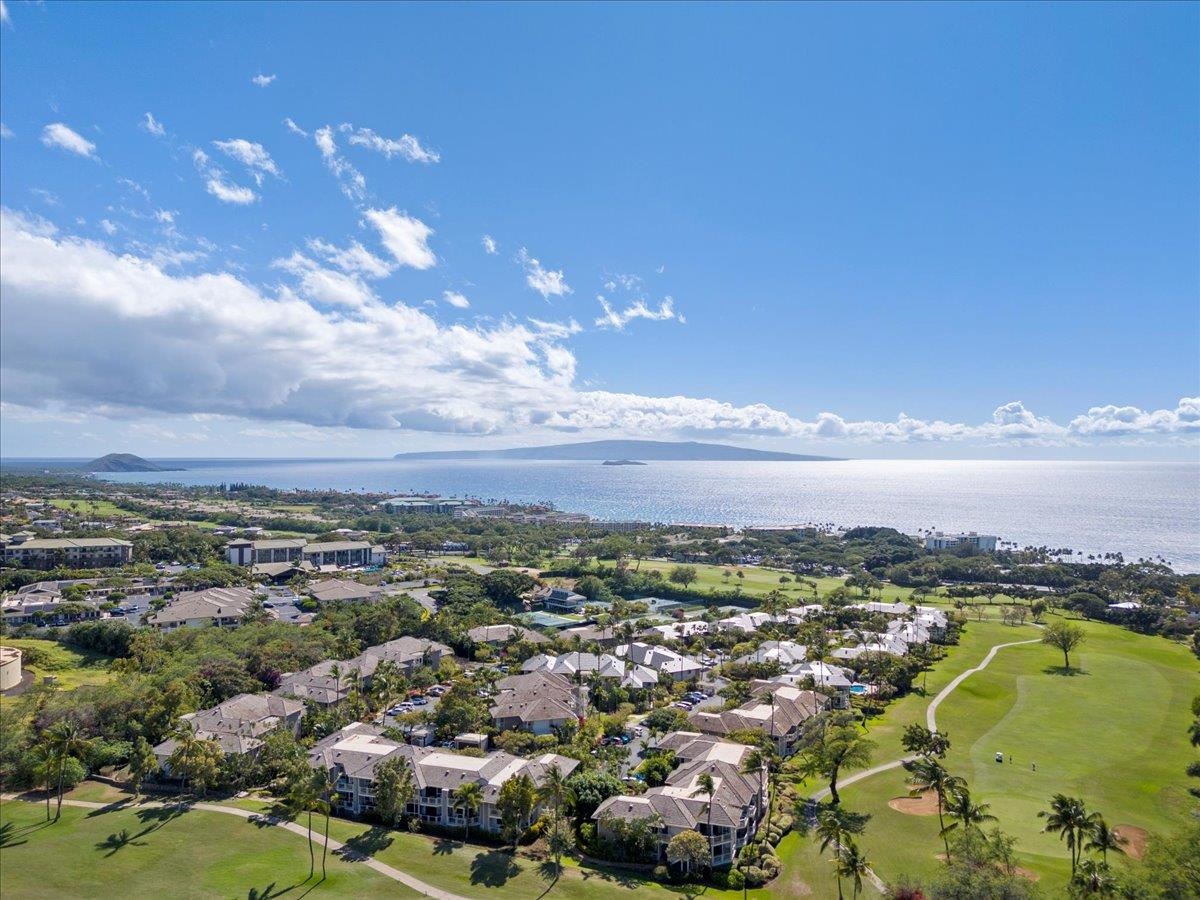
(65, 740)
(43, 768)
(468, 797)
(705, 786)
(755, 761)
(850, 863)
(554, 788)
(326, 789)
(1069, 819)
(966, 812)
(1101, 838)
(302, 797)
(1094, 877)
(186, 746)
(927, 774)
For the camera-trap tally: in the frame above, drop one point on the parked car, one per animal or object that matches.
(419, 701)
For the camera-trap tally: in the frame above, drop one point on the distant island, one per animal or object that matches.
(625, 452)
(124, 462)
(622, 462)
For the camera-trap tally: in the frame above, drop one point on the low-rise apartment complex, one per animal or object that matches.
(72, 553)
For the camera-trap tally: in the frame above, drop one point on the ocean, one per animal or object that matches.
(1142, 509)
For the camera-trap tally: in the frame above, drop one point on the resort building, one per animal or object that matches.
(499, 635)
(538, 702)
(780, 718)
(328, 554)
(239, 725)
(560, 599)
(356, 751)
(669, 665)
(735, 809)
(984, 543)
(328, 683)
(224, 607)
(71, 553)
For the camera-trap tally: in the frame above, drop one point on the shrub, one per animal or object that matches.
(661, 873)
(755, 877)
(735, 880)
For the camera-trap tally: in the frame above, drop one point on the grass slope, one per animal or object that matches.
(150, 853)
(71, 667)
(1114, 735)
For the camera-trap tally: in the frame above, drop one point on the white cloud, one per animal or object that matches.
(618, 319)
(547, 282)
(1121, 421)
(48, 197)
(152, 125)
(405, 146)
(262, 80)
(253, 156)
(218, 184)
(4, 13)
(294, 128)
(108, 226)
(135, 187)
(352, 182)
(355, 259)
(5, 131)
(403, 236)
(323, 350)
(59, 135)
(490, 245)
(164, 216)
(455, 299)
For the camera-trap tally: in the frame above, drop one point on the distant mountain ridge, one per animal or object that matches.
(639, 450)
(124, 462)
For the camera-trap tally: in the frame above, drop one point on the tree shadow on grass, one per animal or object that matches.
(621, 877)
(445, 846)
(119, 840)
(493, 869)
(9, 833)
(155, 817)
(107, 808)
(1065, 671)
(365, 845)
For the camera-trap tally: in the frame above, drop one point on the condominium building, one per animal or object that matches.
(71, 553)
(337, 554)
(984, 543)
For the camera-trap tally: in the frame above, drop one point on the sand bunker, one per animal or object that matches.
(1132, 840)
(925, 804)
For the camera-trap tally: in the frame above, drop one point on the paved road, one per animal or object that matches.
(382, 868)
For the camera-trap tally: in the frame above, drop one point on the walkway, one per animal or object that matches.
(382, 868)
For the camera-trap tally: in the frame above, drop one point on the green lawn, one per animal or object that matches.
(1114, 735)
(153, 853)
(71, 667)
(100, 509)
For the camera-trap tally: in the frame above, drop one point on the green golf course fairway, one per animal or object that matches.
(1114, 734)
(154, 853)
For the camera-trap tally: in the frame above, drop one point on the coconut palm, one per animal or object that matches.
(325, 786)
(1094, 877)
(43, 767)
(554, 789)
(927, 774)
(964, 811)
(755, 761)
(1070, 820)
(468, 797)
(1101, 838)
(65, 740)
(850, 863)
(302, 797)
(706, 787)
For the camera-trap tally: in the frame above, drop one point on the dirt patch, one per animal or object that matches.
(1026, 873)
(793, 887)
(924, 804)
(1132, 840)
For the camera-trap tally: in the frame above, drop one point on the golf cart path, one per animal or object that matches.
(370, 862)
(931, 724)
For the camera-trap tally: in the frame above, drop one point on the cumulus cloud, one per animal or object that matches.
(405, 146)
(108, 227)
(294, 128)
(352, 182)
(489, 245)
(152, 126)
(455, 299)
(5, 131)
(218, 184)
(324, 350)
(403, 236)
(56, 134)
(618, 319)
(1122, 421)
(262, 80)
(547, 282)
(253, 156)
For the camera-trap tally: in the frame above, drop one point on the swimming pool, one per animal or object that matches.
(858, 688)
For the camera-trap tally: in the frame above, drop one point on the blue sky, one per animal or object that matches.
(874, 230)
